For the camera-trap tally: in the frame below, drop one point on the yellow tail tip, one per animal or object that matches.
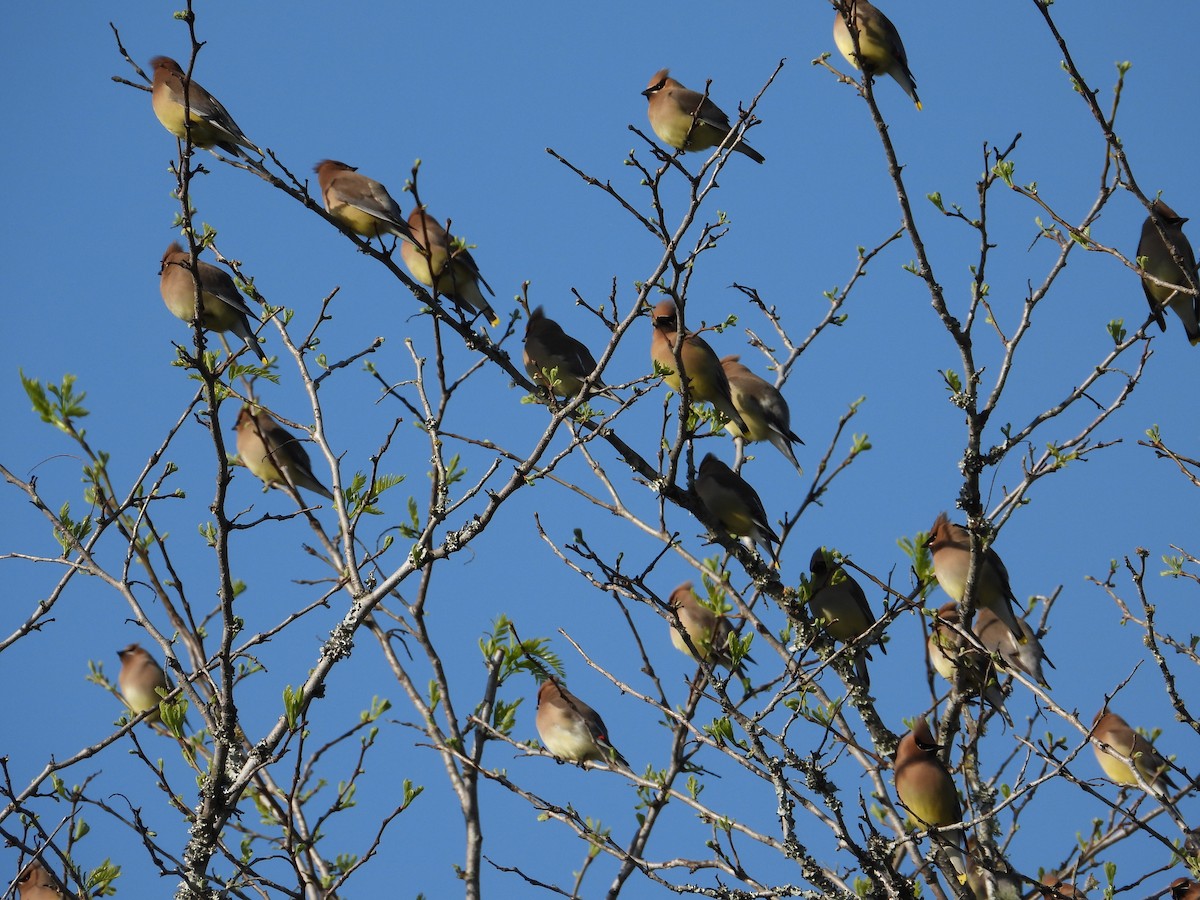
(919, 107)
(495, 320)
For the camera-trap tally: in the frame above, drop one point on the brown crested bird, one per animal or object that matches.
(839, 602)
(924, 786)
(36, 882)
(572, 730)
(762, 408)
(709, 631)
(274, 454)
(1110, 729)
(688, 120)
(707, 381)
(1155, 247)
(951, 653)
(142, 681)
(1185, 889)
(880, 50)
(360, 203)
(735, 505)
(222, 307)
(172, 95)
(447, 262)
(550, 352)
(996, 638)
(951, 548)
(1056, 888)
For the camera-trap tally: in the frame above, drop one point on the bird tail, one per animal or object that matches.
(614, 755)
(743, 147)
(784, 443)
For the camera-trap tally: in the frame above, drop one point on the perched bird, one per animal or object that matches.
(734, 504)
(211, 124)
(221, 305)
(1185, 889)
(449, 262)
(996, 638)
(951, 548)
(709, 632)
(924, 786)
(571, 729)
(687, 120)
(762, 408)
(839, 602)
(549, 348)
(1054, 887)
(360, 203)
(880, 49)
(1161, 264)
(273, 453)
(707, 381)
(950, 653)
(36, 882)
(1110, 729)
(142, 681)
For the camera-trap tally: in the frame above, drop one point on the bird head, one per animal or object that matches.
(664, 316)
(166, 64)
(1166, 215)
(657, 83)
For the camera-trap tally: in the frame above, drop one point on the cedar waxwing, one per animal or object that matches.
(707, 381)
(572, 730)
(36, 882)
(1004, 885)
(221, 305)
(761, 407)
(734, 504)
(924, 786)
(951, 547)
(949, 652)
(360, 203)
(1054, 887)
(457, 274)
(273, 453)
(838, 600)
(879, 45)
(996, 638)
(211, 124)
(141, 679)
(687, 120)
(1111, 729)
(709, 632)
(548, 347)
(1185, 889)
(1162, 265)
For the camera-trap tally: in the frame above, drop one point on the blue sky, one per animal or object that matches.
(478, 99)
